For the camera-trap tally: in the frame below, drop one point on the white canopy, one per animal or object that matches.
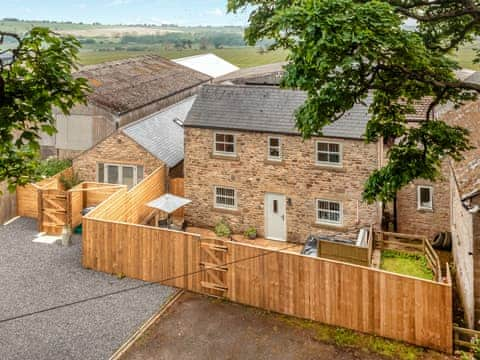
(168, 203)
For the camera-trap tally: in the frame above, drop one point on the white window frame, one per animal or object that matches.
(328, 163)
(269, 147)
(224, 153)
(120, 172)
(329, 222)
(223, 206)
(419, 199)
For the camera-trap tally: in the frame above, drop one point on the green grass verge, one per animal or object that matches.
(349, 338)
(241, 57)
(406, 264)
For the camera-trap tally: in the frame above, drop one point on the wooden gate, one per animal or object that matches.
(53, 211)
(213, 260)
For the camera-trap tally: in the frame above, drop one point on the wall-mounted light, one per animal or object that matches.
(289, 201)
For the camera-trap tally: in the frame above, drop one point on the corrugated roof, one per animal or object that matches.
(160, 134)
(209, 64)
(270, 74)
(265, 109)
(126, 85)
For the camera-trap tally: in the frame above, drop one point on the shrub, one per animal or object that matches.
(70, 181)
(222, 229)
(52, 166)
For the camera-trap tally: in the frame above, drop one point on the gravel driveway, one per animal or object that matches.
(52, 308)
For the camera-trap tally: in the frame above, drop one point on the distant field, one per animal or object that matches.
(466, 55)
(241, 57)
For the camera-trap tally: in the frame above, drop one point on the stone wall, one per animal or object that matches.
(411, 220)
(117, 149)
(297, 177)
(462, 249)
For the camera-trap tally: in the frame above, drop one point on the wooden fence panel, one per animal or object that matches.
(340, 294)
(8, 203)
(27, 201)
(364, 299)
(177, 187)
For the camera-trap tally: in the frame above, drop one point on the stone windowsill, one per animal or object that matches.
(340, 228)
(226, 211)
(329, 168)
(224, 157)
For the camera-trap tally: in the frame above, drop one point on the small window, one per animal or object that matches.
(129, 175)
(425, 197)
(329, 153)
(224, 144)
(329, 212)
(274, 149)
(225, 198)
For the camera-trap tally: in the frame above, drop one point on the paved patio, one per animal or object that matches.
(52, 308)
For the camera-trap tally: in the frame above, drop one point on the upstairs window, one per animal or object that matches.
(425, 198)
(225, 198)
(329, 212)
(224, 144)
(274, 149)
(329, 153)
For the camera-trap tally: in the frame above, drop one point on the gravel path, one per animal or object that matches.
(93, 313)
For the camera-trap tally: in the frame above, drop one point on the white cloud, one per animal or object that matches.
(118, 3)
(216, 12)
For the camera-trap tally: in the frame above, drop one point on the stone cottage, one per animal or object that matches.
(123, 91)
(136, 150)
(245, 162)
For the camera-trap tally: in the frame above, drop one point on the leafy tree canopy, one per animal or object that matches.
(35, 76)
(345, 51)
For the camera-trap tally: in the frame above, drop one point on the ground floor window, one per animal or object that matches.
(425, 198)
(329, 212)
(225, 198)
(129, 175)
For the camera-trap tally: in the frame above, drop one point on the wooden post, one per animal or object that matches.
(39, 210)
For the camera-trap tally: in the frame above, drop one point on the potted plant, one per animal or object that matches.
(222, 229)
(251, 233)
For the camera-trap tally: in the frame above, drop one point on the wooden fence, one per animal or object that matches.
(8, 203)
(177, 187)
(414, 244)
(27, 196)
(360, 298)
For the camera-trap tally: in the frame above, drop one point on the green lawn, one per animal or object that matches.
(406, 264)
(241, 57)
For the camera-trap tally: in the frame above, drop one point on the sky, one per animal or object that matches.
(181, 12)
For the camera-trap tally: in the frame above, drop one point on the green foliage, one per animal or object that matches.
(188, 40)
(222, 229)
(250, 232)
(344, 52)
(52, 166)
(349, 338)
(406, 264)
(39, 79)
(70, 181)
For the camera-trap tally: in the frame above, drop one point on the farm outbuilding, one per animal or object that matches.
(136, 150)
(122, 92)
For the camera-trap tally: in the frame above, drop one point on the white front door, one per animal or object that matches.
(275, 217)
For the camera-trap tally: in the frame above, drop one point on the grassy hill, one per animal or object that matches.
(102, 43)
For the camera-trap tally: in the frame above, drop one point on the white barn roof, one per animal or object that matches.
(209, 64)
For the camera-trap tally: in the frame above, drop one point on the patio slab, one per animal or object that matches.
(52, 308)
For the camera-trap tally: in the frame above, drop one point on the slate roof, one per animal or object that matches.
(265, 109)
(160, 135)
(209, 64)
(126, 85)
